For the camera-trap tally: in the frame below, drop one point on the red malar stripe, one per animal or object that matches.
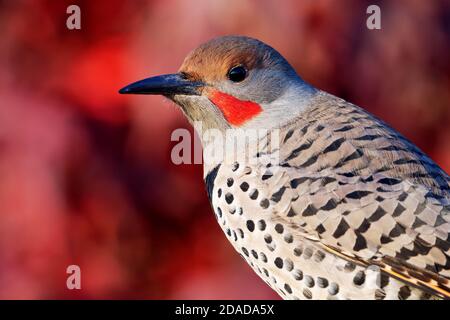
(235, 111)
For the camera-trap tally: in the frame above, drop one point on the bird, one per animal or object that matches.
(329, 202)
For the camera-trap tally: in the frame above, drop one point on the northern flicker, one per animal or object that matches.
(350, 209)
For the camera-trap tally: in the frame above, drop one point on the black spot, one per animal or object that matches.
(254, 254)
(297, 274)
(349, 267)
(279, 262)
(368, 179)
(420, 207)
(241, 233)
(307, 253)
(287, 288)
(343, 129)
(268, 238)
(209, 181)
(229, 198)
(288, 135)
(355, 155)
(250, 225)
(279, 228)
(392, 148)
(333, 289)
(229, 232)
(235, 166)
(288, 264)
(310, 161)
(405, 161)
(245, 251)
(322, 282)
(439, 221)
(357, 194)
(264, 203)
(341, 229)
(288, 238)
(368, 137)
(334, 145)
(348, 174)
(263, 257)
(418, 223)
(309, 281)
(382, 280)
(310, 210)
(297, 151)
(377, 215)
(397, 231)
(261, 225)
(404, 293)
(365, 225)
(398, 210)
(330, 205)
(380, 294)
(307, 293)
(389, 181)
(219, 212)
(254, 194)
(319, 256)
(292, 213)
(296, 182)
(360, 243)
(359, 278)
(382, 169)
(266, 175)
(277, 195)
(379, 189)
(402, 197)
(424, 249)
(219, 193)
(230, 182)
(244, 186)
(327, 180)
(319, 128)
(384, 239)
(298, 251)
(320, 229)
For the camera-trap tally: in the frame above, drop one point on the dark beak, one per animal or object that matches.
(168, 84)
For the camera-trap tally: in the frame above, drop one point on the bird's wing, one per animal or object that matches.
(350, 182)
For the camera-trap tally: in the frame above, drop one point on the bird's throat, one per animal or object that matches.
(235, 111)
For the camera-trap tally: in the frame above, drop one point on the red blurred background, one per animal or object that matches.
(85, 173)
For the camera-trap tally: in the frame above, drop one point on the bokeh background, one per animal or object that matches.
(85, 173)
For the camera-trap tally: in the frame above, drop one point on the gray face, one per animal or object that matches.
(262, 85)
(268, 76)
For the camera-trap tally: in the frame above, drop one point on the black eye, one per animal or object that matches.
(237, 74)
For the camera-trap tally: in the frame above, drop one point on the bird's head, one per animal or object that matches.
(232, 82)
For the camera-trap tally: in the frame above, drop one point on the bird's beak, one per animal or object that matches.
(168, 85)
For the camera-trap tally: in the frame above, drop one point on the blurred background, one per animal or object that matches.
(85, 173)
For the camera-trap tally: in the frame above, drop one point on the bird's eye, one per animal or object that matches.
(237, 74)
